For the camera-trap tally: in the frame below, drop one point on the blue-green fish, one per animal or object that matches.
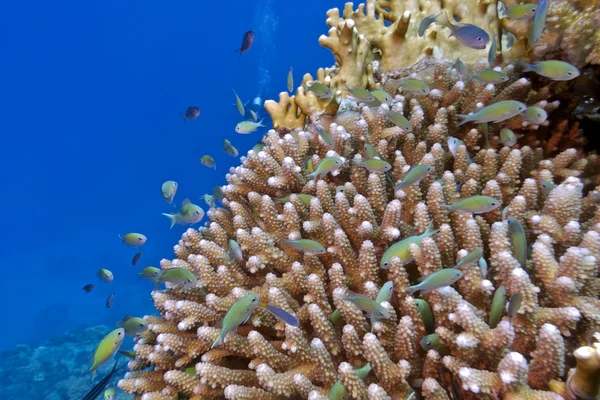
(382, 96)
(507, 137)
(513, 306)
(432, 342)
(327, 165)
(239, 104)
(426, 22)
(400, 248)
(472, 257)
(169, 189)
(400, 120)
(320, 90)
(234, 252)
(188, 214)
(521, 11)
(305, 198)
(177, 276)
(496, 112)
(374, 165)
(491, 76)
(150, 273)
(468, 34)
(248, 126)
(453, 145)
(370, 151)
(105, 275)
(553, 69)
(237, 315)
(385, 293)
(109, 394)
(414, 175)
(282, 315)
(497, 308)
(442, 278)
(339, 392)
(133, 239)
(209, 200)
(371, 307)
(133, 325)
(493, 50)
(460, 67)
(483, 267)
(426, 314)
(208, 161)
(106, 349)
(290, 80)
(539, 20)
(547, 187)
(128, 353)
(535, 115)
(414, 86)
(258, 146)
(361, 94)
(474, 204)
(218, 193)
(306, 245)
(518, 240)
(253, 116)
(326, 136)
(229, 149)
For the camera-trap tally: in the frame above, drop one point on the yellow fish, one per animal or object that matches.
(106, 349)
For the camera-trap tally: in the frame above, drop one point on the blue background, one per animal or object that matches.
(91, 96)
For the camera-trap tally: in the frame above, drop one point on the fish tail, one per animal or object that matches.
(446, 207)
(218, 340)
(429, 231)
(464, 119)
(172, 217)
(412, 289)
(528, 67)
(313, 175)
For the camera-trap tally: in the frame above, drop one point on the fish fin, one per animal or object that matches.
(173, 219)
(185, 202)
(412, 289)
(527, 67)
(464, 119)
(220, 339)
(429, 231)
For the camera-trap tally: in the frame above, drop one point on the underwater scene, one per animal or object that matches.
(269, 199)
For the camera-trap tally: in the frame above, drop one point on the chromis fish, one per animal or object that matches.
(413, 86)
(110, 300)
(521, 11)
(491, 76)
(426, 314)
(432, 342)
(306, 245)
(169, 189)
(229, 149)
(88, 288)
(319, 90)
(364, 303)
(468, 34)
(385, 293)
(460, 67)
(137, 257)
(497, 308)
(426, 22)
(547, 187)
(133, 325)
(518, 240)
(483, 267)
(150, 273)
(105, 275)
(400, 120)
(414, 175)
(245, 127)
(496, 112)
(508, 137)
(327, 165)
(472, 257)
(133, 239)
(453, 145)
(553, 69)
(239, 104)
(442, 278)
(493, 51)
(247, 41)
(290, 80)
(208, 161)
(128, 353)
(234, 252)
(370, 151)
(218, 193)
(382, 96)
(474, 204)
(325, 135)
(361, 94)
(188, 213)
(400, 248)
(513, 306)
(305, 198)
(253, 116)
(109, 394)
(177, 276)
(338, 390)
(535, 115)
(237, 315)
(209, 199)
(340, 189)
(283, 315)
(192, 112)
(106, 349)
(99, 387)
(539, 20)
(374, 165)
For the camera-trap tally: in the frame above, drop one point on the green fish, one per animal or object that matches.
(320, 90)
(374, 165)
(105, 275)
(491, 76)
(133, 239)
(305, 198)
(340, 189)
(335, 317)
(218, 193)
(547, 187)
(361, 94)
(150, 273)
(237, 315)
(399, 120)
(400, 248)
(306, 245)
(169, 188)
(521, 11)
(339, 392)
(229, 149)
(234, 252)
(474, 204)
(553, 69)
(326, 136)
(370, 151)
(483, 267)
(539, 20)
(518, 240)
(493, 50)
(188, 214)
(442, 278)
(239, 104)
(535, 115)
(497, 308)
(109, 394)
(414, 175)
(309, 164)
(496, 112)
(486, 134)
(460, 67)
(327, 165)
(177, 276)
(208, 161)
(128, 353)
(106, 349)
(472, 257)
(432, 342)
(508, 137)
(382, 96)
(133, 325)
(426, 22)
(253, 116)
(385, 293)
(245, 127)
(371, 307)
(290, 80)
(426, 314)
(258, 147)
(513, 306)
(209, 200)
(414, 86)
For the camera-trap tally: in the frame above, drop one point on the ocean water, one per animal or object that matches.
(91, 97)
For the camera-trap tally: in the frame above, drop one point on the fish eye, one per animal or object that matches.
(141, 324)
(494, 203)
(254, 299)
(428, 343)
(520, 108)
(533, 10)
(457, 274)
(479, 38)
(385, 264)
(569, 73)
(539, 115)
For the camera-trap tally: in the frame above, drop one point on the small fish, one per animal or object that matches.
(432, 342)
(177, 276)
(234, 252)
(306, 245)
(513, 306)
(192, 112)
(472, 257)
(414, 175)
(374, 165)
(208, 161)
(539, 20)
(411, 396)
(361, 94)
(340, 189)
(497, 307)
(426, 22)
(474, 204)
(188, 214)
(518, 240)
(169, 189)
(547, 187)
(218, 193)
(521, 12)
(128, 353)
(535, 115)
(483, 267)
(370, 151)
(282, 315)
(305, 198)
(136, 258)
(385, 293)
(400, 120)
(247, 41)
(460, 67)
(339, 392)
(327, 165)
(150, 273)
(335, 317)
(496, 112)
(504, 214)
(400, 248)
(133, 239)
(320, 90)
(109, 394)
(442, 278)
(106, 349)
(229, 149)
(470, 35)
(290, 80)
(382, 96)
(209, 199)
(491, 76)
(110, 300)
(326, 136)
(553, 69)
(105, 275)
(238, 103)
(237, 315)
(414, 86)
(371, 307)
(508, 137)
(99, 387)
(133, 325)
(253, 116)
(453, 145)
(246, 127)
(88, 288)
(426, 314)
(492, 52)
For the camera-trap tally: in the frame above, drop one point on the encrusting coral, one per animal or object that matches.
(356, 214)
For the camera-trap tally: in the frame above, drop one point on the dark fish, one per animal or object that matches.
(99, 388)
(246, 42)
(136, 258)
(282, 315)
(88, 288)
(110, 300)
(192, 112)
(128, 353)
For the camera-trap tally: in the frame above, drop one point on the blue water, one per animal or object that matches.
(91, 95)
